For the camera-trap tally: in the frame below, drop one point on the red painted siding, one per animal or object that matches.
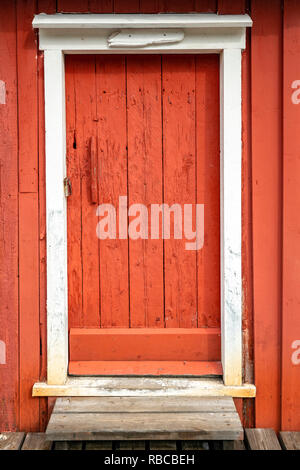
(271, 269)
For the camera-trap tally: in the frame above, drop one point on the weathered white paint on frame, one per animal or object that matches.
(60, 34)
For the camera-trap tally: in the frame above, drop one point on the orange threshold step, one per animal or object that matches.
(144, 418)
(141, 351)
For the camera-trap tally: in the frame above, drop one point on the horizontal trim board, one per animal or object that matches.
(192, 368)
(97, 41)
(128, 426)
(143, 386)
(144, 405)
(145, 344)
(106, 21)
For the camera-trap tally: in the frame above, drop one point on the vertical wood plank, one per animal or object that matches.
(267, 193)
(86, 120)
(75, 293)
(29, 309)
(27, 97)
(44, 6)
(73, 6)
(291, 224)
(112, 167)
(9, 392)
(145, 187)
(179, 185)
(206, 6)
(208, 187)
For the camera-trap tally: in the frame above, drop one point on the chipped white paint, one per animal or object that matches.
(231, 216)
(2, 352)
(136, 38)
(2, 92)
(60, 34)
(143, 386)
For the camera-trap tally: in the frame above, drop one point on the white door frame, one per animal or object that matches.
(62, 34)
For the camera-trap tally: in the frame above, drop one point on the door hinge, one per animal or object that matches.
(67, 187)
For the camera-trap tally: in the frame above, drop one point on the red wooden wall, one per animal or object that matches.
(271, 200)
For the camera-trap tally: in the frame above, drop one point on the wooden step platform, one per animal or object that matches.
(144, 418)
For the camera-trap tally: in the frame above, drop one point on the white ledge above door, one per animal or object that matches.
(161, 33)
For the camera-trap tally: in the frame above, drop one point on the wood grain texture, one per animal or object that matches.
(11, 440)
(290, 404)
(262, 439)
(179, 163)
(143, 386)
(144, 405)
(113, 182)
(208, 188)
(86, 119)
(266, 44)
(36, 441)
(9, 391)
(49, 7)
(29, 309)
(133, 426)
(290, 440)
(145, 186)
(27, 97)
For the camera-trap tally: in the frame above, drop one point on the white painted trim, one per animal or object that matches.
(56, 213)
(231, 215)
(143, 386)
(62, 34)
(162, 20)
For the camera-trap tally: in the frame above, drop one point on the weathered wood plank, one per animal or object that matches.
(134, 426)
(163, 445)
(9, 282)
(290, 440)
(143, 386)
(266, 77)
(290, 392)
(11, 440)
(141, 404)
(36, 441)
(262, 439)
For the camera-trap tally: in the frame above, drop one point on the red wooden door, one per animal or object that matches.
(146, 129)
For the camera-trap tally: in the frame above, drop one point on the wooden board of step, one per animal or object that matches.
(144, 418)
